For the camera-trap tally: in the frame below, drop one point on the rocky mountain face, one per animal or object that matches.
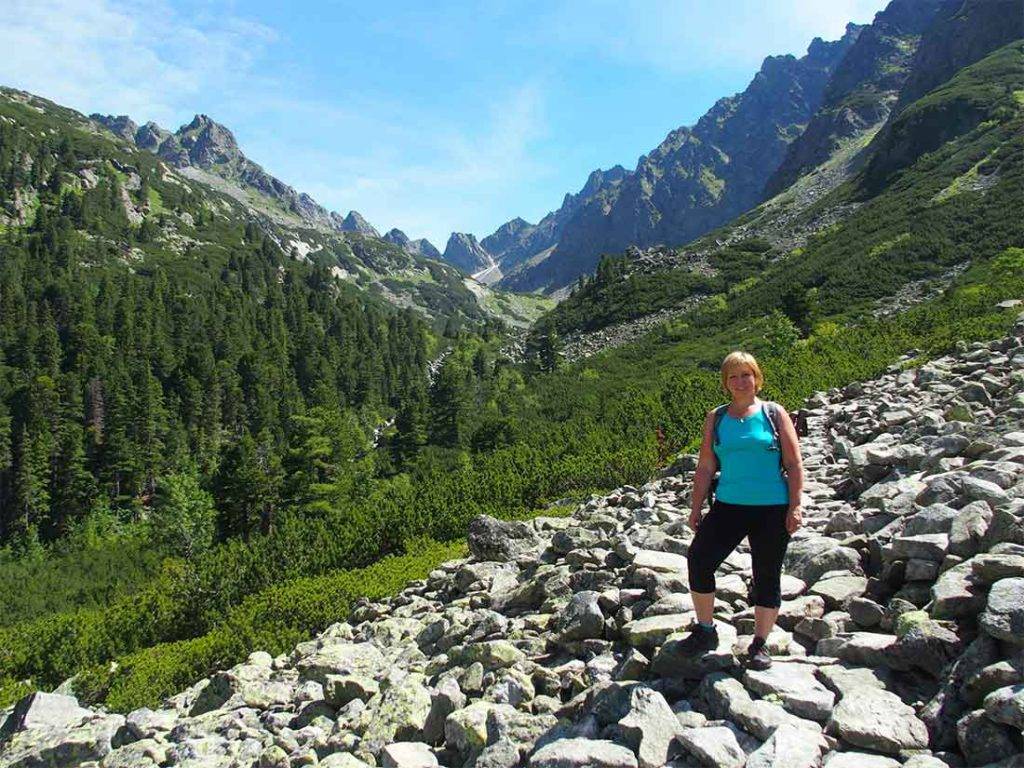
(962, 34)
(205, 147)
(354, 222)
(900, 640)
(464, 252)
(698, 177)
(517, 241)
(964, 31)
(863, 89)
(420, 247)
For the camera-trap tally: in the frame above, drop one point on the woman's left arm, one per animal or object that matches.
(793, 463)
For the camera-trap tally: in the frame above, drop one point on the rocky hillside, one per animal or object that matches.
(862, 91)
(182, 192)
(420, 247)
(698, 177)
(900, 641)
(205, 148)
(464, 252)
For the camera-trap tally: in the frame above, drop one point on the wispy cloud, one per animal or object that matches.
(397, 164)
(686, 36)
(150, 61)
(428, 173)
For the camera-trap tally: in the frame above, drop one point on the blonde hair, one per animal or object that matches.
(741, 359)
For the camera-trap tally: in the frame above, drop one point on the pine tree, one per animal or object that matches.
(73, 487)
(411, 425)
(183, 518)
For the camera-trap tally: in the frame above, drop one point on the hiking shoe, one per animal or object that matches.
(757, 655)
(700, 640)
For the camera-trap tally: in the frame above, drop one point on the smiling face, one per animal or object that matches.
(741, 375)
(741, 381)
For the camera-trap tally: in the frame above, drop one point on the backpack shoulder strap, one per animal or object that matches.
(771, 412)
(719, 415)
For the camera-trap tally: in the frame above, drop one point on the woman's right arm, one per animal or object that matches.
(707, 465)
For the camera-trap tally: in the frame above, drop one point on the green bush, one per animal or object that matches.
(274, 621)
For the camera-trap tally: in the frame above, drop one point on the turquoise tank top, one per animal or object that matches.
(750, 469)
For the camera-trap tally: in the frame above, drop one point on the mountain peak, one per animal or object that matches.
(121, 125)
(355, 222)
(464, 252)
(397, 237)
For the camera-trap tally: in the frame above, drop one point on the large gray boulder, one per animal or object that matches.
(500, 540)
(1004, 611)
(583, 753)
(43, 710)
(878, 720)
(582, 618)
(713, 745)
(647, 727)
(1006, 705)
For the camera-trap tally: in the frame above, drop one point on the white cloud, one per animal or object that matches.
(687, 36)
(149, 62)
(425, 175)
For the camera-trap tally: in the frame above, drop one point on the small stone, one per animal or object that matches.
(652, 631)
(408, 754)
(865, 612)
(838, 590)
(860, 760)
(662, 562)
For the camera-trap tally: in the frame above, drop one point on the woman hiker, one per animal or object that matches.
(754, 445)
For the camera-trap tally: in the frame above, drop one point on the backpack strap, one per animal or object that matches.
(719, 415)
(771, 412)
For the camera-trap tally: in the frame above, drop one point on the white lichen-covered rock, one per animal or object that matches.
(878, 720)
(1004, 611)
(713, 745)
(582, 753)
(407, 754)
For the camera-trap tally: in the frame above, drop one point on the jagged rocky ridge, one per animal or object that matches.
(900, 640)
(209, 147)
(699, 177)
(862, 90)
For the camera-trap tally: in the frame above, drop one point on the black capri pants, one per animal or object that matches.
(719, 533)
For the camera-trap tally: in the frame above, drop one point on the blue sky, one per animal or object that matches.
(430, 117)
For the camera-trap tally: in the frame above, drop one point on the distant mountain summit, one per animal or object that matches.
(421, 247)
(464, 252)
(695, 180)
(354, 222)
(207, 150)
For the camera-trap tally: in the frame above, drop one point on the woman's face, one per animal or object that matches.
(741, 382)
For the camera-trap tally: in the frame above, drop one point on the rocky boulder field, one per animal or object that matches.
(555, 645)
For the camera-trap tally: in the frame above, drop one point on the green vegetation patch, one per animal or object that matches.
(274, 621)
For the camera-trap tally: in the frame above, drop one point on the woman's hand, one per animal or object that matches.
(794, 519)
(695, 516)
